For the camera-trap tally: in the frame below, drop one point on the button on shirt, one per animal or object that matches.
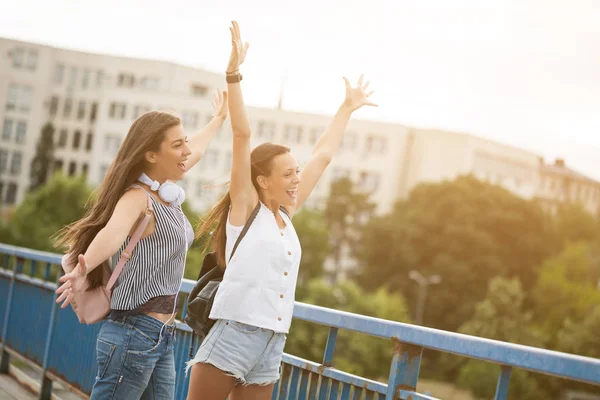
(259, 284)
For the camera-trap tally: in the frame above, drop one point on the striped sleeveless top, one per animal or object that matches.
(158, 260)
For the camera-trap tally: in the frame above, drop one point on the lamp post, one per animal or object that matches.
(423, 284)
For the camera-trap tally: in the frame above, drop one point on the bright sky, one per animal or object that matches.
(523, 72)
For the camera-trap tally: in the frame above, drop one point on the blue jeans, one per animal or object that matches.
(134, 360)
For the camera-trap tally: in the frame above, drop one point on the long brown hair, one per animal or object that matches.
(261, 163)
(146, 134)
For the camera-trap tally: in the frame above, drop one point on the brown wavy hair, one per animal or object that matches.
(146, 134)
(261, 163)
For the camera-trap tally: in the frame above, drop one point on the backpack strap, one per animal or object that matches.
(135, 238)
(251, 218)
(285, 211)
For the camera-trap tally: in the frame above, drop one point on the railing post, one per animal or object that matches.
(330, 346)
(404, 371)
(46, 388)
(4, 355)
(503, 382)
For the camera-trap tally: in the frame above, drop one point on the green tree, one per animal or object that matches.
(43, 212)
(314, 238)
(581, 336)
(501, 316)
(346, 212)
(574, 224)
(567, 288)
(355, 353)
(466, 231)
(42, 161)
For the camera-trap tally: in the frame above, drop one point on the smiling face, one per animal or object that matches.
(168, 163)
(281, 185)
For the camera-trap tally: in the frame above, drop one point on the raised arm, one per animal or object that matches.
(330, 140)
(106, 243)
(199, 142)
(242, 192)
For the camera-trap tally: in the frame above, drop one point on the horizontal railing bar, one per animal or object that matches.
(404, 394)
(583, 369)
(335, 374)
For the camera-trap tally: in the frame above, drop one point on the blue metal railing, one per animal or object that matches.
(35, 328)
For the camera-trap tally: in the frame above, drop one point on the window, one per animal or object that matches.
(292, 134)
(58, 165)
(72, 168)
(3, 160)
(12, 97)
(7, 129)
(59, 74)
(349, 141)
(103, 171)
(84, 169)
(53, 106)
(85, 81)
(126, 80)
(62, 138)
(18, 56)
(32, 59)
(18, 97)
(67, 107)
(111, 144)
(89, 141)
(117, 110)
(369, 181)
(266, 130)
(81, 110)
(190, 119)
(15, 163)
(315, 133)
(140, 109)
(99, 78)
(93, 112)
(25, 100)
(376, 144)
(11, 193)
(150, 83)
(199, 90)
(76, 140)
(20, 132)
(72, 78)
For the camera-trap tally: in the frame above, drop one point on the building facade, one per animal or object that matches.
(92, 99)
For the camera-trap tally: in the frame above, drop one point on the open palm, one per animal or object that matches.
(238, 48)
(356, 97)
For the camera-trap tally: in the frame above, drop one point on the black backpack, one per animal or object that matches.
(202, 296)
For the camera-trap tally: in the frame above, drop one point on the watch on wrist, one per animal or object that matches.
(233, 78)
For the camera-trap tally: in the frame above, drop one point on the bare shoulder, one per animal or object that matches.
(134, 199)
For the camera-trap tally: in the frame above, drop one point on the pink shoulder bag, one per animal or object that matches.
(93, 305)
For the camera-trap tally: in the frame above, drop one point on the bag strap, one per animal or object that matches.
(246, 227)
(285, 211)
(135, 238)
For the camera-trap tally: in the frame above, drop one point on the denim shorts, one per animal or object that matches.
(135, 359)
(250, 354)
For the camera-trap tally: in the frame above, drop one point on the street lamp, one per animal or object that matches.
(423, 284)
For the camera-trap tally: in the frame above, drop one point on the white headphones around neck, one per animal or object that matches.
(169, 192)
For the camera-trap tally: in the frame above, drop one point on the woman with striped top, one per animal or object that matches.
(134, 348)
(240, 356)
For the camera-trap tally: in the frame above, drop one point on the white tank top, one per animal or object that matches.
(259, 284)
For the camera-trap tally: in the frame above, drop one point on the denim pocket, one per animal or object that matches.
(104, 353)
(244, 328)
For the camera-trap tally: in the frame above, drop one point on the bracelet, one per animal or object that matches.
(233, 78)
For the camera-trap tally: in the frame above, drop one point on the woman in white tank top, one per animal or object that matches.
(241, 355)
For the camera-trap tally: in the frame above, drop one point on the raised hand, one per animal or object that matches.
(220, 105)
(238, 48)
(356, 97)
(73, 282)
